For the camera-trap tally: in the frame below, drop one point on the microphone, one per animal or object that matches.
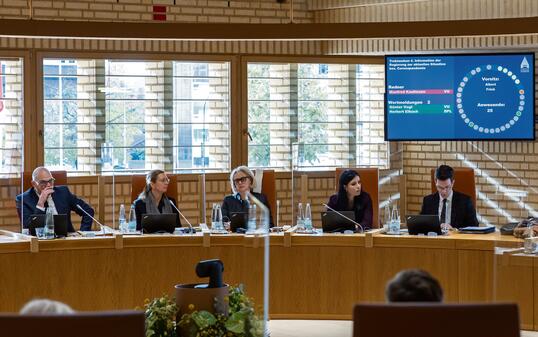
(94, 219)
(343, 216)
(191, 230)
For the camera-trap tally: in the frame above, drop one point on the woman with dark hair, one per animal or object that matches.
(351, 197)
(153, 199)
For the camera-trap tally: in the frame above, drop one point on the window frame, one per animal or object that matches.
(38, 128)
(245, 60)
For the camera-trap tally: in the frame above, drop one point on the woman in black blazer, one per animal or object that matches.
(242, 183)
(351, 197)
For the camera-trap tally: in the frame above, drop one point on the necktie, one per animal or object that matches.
(443, 212)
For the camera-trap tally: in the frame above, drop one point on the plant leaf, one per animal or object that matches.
(203, 319)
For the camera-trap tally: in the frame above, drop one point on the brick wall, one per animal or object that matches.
(233, 11)
(389, 10)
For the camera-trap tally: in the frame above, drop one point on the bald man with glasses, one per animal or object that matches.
(45, 195)
(455, 209)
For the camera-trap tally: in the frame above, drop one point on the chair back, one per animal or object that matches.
(269, 190)
(138, 183)
(463, 182)
(59, 176)
(427, 319)
(370, 184)
(84, 324)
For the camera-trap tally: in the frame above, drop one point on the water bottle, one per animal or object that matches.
(132, 220)
(251, 225)
(122, 222)
(387, 219)
(307, 219)
(49, 224)
(394, 227)
(300, 217)
(216, 218)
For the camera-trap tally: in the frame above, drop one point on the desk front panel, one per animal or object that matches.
(311, 277)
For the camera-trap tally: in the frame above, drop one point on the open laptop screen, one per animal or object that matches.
(423, 224)
(155, 223)
(332, 222)
(60, 224)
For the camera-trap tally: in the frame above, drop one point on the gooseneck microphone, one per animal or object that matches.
(191, 230)
(102, 227)
(343, 216)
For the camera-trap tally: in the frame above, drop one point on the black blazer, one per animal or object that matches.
(64, 201)
(232, 204)
(462, 214)
(140, 209)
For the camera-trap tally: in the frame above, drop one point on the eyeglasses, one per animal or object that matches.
(443, 188)
(165, 180)
(241, 180)
(46, 182)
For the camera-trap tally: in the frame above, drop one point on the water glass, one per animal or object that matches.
(40, 232)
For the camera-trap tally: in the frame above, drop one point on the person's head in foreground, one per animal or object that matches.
(45, 307)
(413, 285)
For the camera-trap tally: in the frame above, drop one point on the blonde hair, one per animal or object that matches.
(151, 177)
(44, 307)
(246, 171)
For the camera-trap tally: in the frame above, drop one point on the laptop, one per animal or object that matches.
(333, 222)
(60, 224)
(159, 223)
(238, 220)
(423, 224)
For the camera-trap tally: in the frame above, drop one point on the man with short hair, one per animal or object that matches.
(455, 209)
(45, 195)
(413, 285)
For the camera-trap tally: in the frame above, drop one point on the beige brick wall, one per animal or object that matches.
(409, 10)
(216, 11)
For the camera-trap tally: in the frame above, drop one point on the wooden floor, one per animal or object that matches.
(318, 328)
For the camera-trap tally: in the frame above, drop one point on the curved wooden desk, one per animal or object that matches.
(315, 277)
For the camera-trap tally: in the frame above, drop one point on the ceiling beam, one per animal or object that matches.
(216, 31)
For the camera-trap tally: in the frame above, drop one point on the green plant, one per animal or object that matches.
(160, 317)
(241, 321)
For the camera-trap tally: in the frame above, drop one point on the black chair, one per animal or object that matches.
(427, 319)
(82, 324)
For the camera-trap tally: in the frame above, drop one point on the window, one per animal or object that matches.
(131, 116)
(316, 116)
(60, 114)
(11, 116)
(202, 111)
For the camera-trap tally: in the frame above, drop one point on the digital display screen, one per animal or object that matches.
(459, 97)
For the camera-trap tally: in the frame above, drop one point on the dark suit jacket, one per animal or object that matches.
(140, 209)
(231, 204)
(462, 214)
(362, 206)
(64, 201)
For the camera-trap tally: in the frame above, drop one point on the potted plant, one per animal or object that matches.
(241, 321)
(160, 317)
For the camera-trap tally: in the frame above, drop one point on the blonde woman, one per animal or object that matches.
(242, 183)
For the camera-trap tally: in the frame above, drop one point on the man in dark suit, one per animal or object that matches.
(45, 195)
(455, 209)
